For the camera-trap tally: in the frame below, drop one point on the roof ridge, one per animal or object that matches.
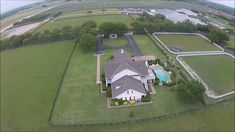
(125, 63)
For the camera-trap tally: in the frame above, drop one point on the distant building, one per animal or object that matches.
(175, 17)
(186, 12)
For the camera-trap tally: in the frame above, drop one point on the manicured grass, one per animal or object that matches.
(85, 13)
(80, 101)
(148, 47)
(116, 42)
(219, 118)
(216, 71)
(187, 42)
(29, 80)
(76, 21)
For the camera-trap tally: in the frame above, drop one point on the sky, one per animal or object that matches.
(7, 5)
(229, 3)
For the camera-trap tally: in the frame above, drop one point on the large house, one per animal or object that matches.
(128, 78)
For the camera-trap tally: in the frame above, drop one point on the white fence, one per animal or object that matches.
(192, 73)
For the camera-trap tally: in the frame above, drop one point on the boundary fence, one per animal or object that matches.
(60, 83)
(158, 117)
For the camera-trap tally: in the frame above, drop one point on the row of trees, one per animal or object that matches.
(113, 27)
(66, 32)
(84, 35)
(159, 23)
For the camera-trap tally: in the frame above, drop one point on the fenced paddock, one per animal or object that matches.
(214, 71)
(186, 43)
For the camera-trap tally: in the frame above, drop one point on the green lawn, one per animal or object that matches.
(148, 47)
(84, 12)
(216, 71)
(79, 20)
(116, 42)
(187, 42)
(29, 80)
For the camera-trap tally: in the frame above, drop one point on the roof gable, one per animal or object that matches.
(125, 83)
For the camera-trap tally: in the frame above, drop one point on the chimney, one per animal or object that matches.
(122, 51)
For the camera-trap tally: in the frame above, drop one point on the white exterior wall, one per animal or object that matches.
(144, 81)
(123, 73)
(135, 94)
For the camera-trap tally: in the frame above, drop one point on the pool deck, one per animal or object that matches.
(157, 66)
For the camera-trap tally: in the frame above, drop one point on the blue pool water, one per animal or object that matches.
(161, 75)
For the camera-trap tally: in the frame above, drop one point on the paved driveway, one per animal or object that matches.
(133, 44)
(99, 44)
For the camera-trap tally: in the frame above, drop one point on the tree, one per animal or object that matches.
(76, 31)
(110, 27)
(87, 41)
(90, 24)
(185, 26)
(139, 26)
(190, 92)
(66, 31)
(217, 35)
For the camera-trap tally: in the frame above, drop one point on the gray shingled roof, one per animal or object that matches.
(125, 83)
(120, 56)
(121, 60)
(112, 69)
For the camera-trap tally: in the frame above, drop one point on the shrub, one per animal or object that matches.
(184, 76)
(125, 103)
(191, 92)
(146, 98)
(119, 101)
(109, 92)
(133, 101)
(116, 103)
(157, 81)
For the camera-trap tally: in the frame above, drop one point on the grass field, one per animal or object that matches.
(216, 71)
(116, 42)
(29, 79)
(187, 42)
(76, 21)
(79, 13)
(147, 46)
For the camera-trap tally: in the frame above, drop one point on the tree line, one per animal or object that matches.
(159, 23)
(84, 35)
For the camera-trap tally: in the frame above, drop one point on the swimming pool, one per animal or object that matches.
(161, 75)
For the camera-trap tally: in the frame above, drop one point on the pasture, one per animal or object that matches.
(29, 80)
(79, 20)
(216, 71)
(187, 42)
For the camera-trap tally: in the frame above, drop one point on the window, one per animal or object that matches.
(131, 91)
(128, 92)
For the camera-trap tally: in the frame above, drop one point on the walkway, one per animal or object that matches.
(133, 44)
(98, 81)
